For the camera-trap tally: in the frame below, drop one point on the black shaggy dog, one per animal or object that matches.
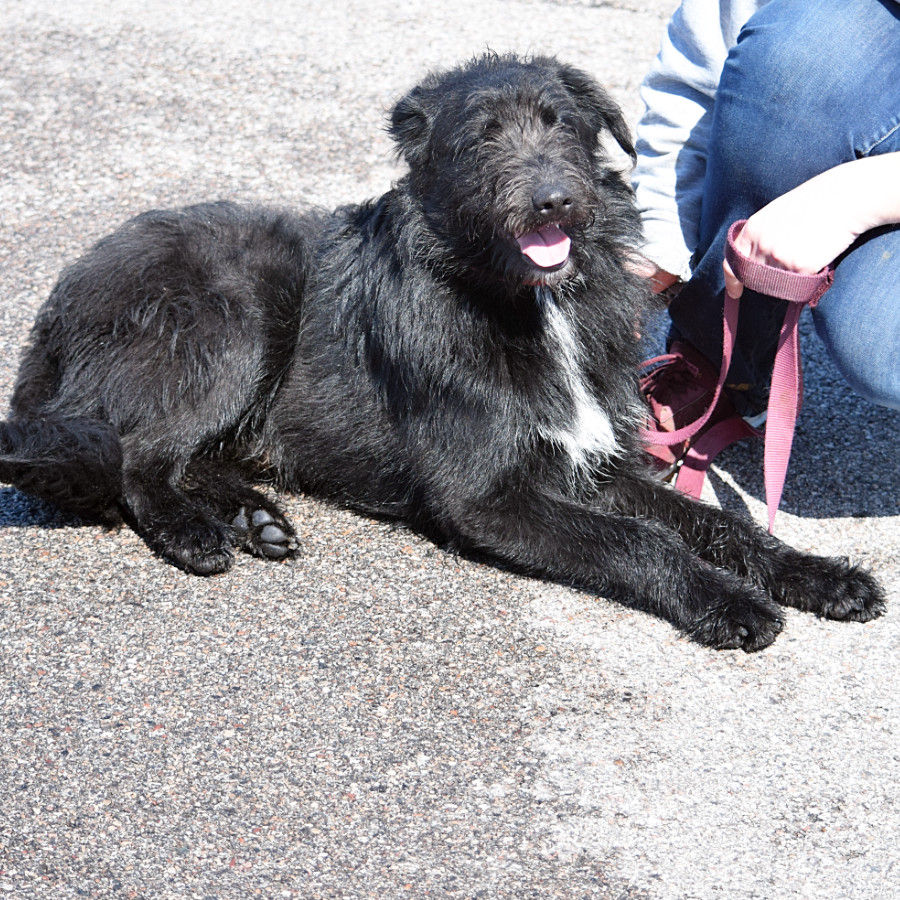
(459, 353)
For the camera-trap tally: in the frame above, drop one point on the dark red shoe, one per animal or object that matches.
(679, 388)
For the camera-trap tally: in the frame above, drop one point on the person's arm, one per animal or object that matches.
(807, 228)
(679, 94)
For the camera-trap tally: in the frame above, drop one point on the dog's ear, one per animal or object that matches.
(601, 110)
(411, 124)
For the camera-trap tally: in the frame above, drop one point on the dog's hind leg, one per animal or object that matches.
(173, 524)
(195, 514)
(827, 586)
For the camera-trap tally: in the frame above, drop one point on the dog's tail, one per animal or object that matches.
(75, 464)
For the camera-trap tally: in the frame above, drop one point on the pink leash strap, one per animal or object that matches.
(786, 391)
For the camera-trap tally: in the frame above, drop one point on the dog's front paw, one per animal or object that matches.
(857, 597)
(743, 618)
(831, 588)
(264, 533)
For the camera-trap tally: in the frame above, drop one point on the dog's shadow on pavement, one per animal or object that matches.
(18, 510)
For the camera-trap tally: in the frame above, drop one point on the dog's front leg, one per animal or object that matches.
(639, 562)
(828, 586)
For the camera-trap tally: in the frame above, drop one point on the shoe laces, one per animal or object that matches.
(677, 373)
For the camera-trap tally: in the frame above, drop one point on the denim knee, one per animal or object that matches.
(807, 87)
(858, 320)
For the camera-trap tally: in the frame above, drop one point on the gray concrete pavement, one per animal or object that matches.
(378, 718)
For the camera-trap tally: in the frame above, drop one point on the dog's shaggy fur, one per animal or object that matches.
(442, 355)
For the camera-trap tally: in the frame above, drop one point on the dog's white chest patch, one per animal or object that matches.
(589, 433)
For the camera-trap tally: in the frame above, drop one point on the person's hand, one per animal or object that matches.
(800, 231)
(658, 278)
(807, 228)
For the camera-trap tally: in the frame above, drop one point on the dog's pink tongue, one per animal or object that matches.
(546, 247)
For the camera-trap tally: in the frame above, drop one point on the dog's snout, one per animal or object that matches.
(552, 200)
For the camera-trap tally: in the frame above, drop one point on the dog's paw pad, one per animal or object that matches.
(207, 564)
(264, 534)
(274, 543)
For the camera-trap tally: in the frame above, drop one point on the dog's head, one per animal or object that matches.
(506, 162)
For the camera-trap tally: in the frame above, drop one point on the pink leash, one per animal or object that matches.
(786, 392)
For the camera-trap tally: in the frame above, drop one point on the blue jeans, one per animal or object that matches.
(809, 85)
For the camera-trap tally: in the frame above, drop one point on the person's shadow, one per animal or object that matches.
(845, 460)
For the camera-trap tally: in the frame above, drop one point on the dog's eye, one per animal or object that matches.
(548, 117)
(492, 128)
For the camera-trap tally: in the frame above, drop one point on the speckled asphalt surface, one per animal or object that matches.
(379, 718)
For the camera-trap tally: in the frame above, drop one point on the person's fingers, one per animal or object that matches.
(733, 286)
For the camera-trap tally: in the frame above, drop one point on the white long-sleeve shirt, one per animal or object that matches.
(672, 136)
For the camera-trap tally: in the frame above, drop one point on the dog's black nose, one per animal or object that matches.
(552, 200)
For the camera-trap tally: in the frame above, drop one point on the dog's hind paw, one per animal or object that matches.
(264, 533)
(832, 588)
(200, 548)
(743, 621)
